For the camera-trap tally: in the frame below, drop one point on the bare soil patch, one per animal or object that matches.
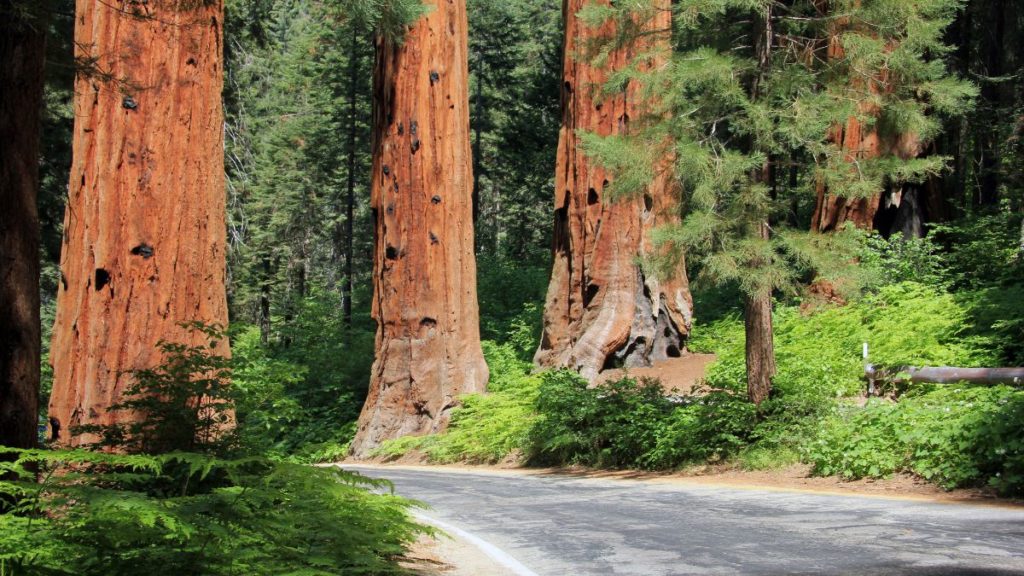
(677, 375)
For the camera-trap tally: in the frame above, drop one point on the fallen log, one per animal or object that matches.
(943, 375)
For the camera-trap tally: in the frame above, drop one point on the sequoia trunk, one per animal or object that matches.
(144, 233)
(425, 302)
(857, 141)
(602, 308)
(22, 55)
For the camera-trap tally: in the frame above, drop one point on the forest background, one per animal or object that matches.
(298, 108)
(943, 285)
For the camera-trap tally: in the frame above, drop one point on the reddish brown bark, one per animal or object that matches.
(22, 54)
(425, 303)
(144, 234)
(858, 142)
(602, 308)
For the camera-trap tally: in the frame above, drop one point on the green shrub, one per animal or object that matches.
(898, 259)
(954, 436)
(627, 423)
(611, 425)
(704, 428)
(981, 250)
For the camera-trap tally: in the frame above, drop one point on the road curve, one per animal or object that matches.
(558, 526)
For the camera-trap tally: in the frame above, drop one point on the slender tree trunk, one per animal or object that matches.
(265, 280)
(425, 302)
(602, 308)
(22, 55)
(144, 232)
(994, 93)
(350, 205)
(760, 345)
(757, 306)
(478, 113)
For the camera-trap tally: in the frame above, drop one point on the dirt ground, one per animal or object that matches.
(677, 375)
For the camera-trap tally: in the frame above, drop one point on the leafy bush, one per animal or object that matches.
(996, 314)
(703, 428)
(633, 424)
(953, 436)
(611, 425)
(898, 259)
(981, 250)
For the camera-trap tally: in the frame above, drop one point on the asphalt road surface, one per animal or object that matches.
(558, 525)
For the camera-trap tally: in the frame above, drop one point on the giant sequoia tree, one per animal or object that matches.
(428, 336)
(144, 230)
(753, 99)
(22, 53)
(880, 50)
(603, 308)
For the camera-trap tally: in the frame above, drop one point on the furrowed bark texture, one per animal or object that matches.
(144, 234)
(22, 55)
(425, 301)
(859, 142)
(760, 348)
(602, 308)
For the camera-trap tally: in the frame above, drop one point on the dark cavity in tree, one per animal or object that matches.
(434, 77)
(391, 253)
(436, 199)
(590, 294)
(592, 196)
(102, 279)
(144, 250)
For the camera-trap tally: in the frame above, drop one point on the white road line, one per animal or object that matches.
(497, 554)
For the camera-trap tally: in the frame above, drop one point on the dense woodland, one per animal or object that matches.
(238, 237)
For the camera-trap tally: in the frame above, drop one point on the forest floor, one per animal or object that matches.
(677, 375)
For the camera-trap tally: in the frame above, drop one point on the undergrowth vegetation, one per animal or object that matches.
(921, 303)
(180, 490)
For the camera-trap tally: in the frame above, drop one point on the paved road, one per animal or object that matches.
(557, 525)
